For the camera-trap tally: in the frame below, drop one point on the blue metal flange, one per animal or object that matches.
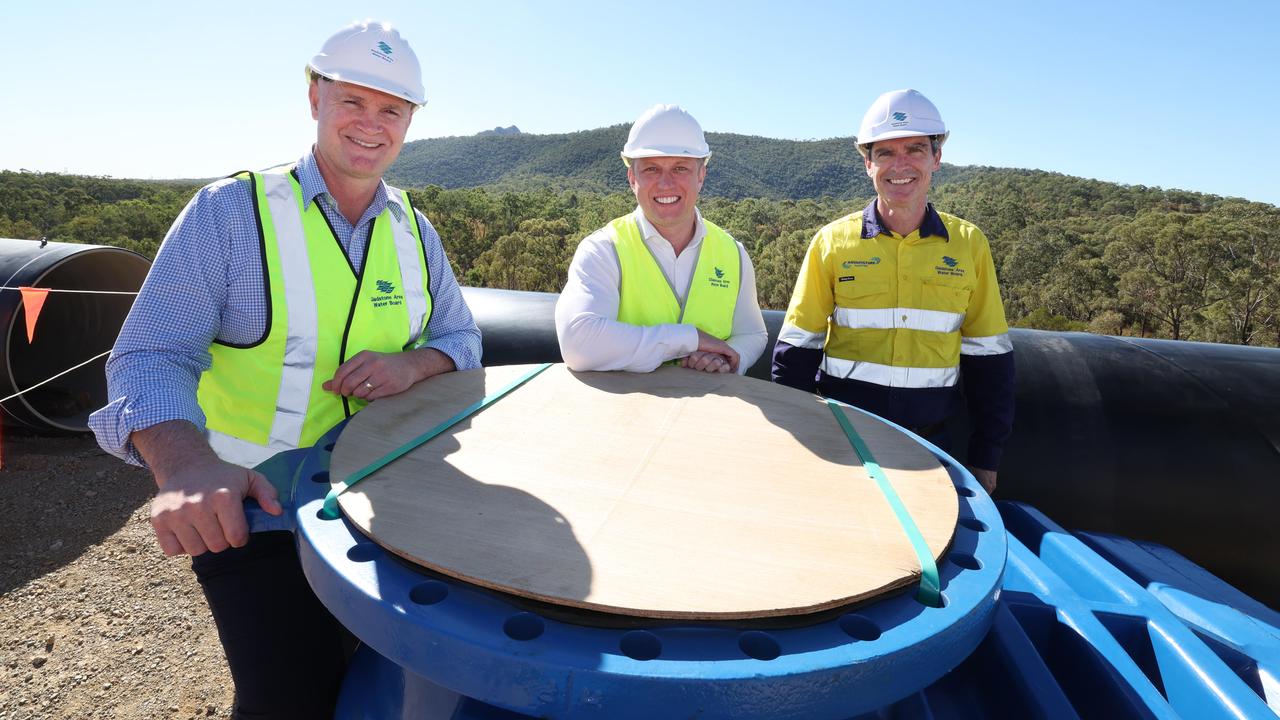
(436, 631)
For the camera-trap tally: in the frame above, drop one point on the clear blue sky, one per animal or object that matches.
(1170, 94)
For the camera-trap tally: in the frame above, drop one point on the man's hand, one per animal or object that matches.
(706, 362)
(986, 477)
(371, 375)
(714, 345)
(200, 505)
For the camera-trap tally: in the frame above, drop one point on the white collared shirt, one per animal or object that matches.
(591, 336)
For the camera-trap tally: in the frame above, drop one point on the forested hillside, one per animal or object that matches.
(744, 166)
(1071, 253)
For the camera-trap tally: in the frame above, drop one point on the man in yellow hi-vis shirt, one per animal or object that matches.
(898, 302)
(661, 284)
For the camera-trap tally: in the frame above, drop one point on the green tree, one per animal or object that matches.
(1166, 268)
(1248, 241)
(534, 257)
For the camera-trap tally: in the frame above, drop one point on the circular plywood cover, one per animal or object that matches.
(673, 494)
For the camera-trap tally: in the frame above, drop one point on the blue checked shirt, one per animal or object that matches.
(207, 283)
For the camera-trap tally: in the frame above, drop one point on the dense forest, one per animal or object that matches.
(743, 166)
(1072, 254)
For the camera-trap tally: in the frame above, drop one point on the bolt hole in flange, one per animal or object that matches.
(429, 592)
(859, 627)
(364, 552)
(964, 560)
(973, 524)
(940, 603)
(320, 477)
(640, 645)
(524, 626)
(759, 645)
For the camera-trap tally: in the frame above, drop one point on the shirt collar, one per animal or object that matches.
(313, 186)
(932, 225)
(650, 232)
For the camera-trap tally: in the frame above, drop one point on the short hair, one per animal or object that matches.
(935, 144)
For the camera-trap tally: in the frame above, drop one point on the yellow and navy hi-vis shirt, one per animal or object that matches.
(883, 321)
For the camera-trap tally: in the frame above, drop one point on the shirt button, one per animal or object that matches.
(904, 318)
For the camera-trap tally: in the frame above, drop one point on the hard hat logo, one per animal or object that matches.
(383, 52)
(899, 116)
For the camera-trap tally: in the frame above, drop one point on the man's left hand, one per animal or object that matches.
(371, 375)
(706, 362)
(986, 477)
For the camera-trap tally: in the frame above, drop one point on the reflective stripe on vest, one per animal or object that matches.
(872, 339)
(267, 397)
(889, 375)
(647, 298)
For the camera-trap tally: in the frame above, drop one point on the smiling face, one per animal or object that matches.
(900, 170)
(667, 190)
(359, 131)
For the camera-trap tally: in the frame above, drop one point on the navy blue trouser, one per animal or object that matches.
(285, 650)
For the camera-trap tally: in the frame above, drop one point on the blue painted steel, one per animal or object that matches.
(377, 689)
(1087, 625)
(1116, 648)
(282, 470)
(1076, 635)
(480, 645)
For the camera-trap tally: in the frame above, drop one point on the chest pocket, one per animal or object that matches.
(945, 294)
(864, 294)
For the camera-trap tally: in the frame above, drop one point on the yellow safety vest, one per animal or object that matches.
(646, 298)
(262, 398)
(897, 311)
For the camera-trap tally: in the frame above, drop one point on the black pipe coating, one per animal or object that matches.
(72, 328)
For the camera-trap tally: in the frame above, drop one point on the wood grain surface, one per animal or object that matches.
(672, 494)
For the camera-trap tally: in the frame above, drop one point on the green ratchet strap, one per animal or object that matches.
(330, 509)
(930, 589)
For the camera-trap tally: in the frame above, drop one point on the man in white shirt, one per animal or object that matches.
(661, 284)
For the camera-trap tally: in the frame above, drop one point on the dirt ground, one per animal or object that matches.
(95, 622)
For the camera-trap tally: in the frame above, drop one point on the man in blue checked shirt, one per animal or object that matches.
(279, 304)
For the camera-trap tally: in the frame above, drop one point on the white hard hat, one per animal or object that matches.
(665, 131)
(900, 113)
(371, 54)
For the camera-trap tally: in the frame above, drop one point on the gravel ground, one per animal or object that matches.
(95, 622)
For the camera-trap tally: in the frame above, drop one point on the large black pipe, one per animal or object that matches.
(1173, 442)
(1176, 442)
(73, 327)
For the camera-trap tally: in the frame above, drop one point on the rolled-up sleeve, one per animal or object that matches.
(163, 346)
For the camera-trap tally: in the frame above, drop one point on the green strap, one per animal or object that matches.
(330, 509)
(930, 589)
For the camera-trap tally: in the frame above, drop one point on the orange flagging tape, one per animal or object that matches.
(32, 302)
